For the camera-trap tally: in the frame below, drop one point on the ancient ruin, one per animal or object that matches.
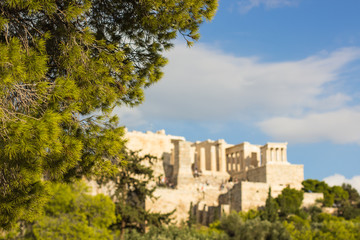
(215, 177)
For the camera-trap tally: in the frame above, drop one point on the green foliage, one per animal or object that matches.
(299, 228)
(332, 195)
(251, 214)
(60, 63)
(289, 201)
(313, 185)
(349, 211)
(131, 189)
(71, 213)
(236, 228)
(314, 212)
(270, 212)
(329, 227)
(230, 224)
(354, 196)
(340, 195)
(192, 219)
(174, 233)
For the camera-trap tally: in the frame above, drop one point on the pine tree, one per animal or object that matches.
(132, 185)
(289, 201)
(270, 212)
(64, 65)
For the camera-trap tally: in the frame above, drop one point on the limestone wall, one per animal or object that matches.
(183, 159)
(151, 143)
(274, 174)
(196, 191)
(257, 174)
(249, 195)
(285, 175)
(253, 195)
(207, 214)
(157, 144)
(310, 199)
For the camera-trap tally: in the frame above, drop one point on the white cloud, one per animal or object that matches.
(202, 83)
(247, 5)
(338, 180)
(340, 126)
(133, 117)
(205, 84)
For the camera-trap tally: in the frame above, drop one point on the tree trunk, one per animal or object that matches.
(122, 230)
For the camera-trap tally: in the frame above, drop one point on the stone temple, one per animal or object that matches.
(215, 177)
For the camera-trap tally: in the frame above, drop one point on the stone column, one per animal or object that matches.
(213, 158)
(235, 161)
(238, 162)
(227, 163)
(242, 160)
(232, 162)
(284, 155)
(202, 159)
(222, 159)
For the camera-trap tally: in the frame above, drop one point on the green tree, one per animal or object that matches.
(174, 232)
(192, 218)
(323, 226)
(313, 185)
(340, 195)
(349, 208)
(237, 228)
(289, 201)
(72, 213)
(270, 212)
(299, 228)
(354, 196)
(132, 187)
(60, 63)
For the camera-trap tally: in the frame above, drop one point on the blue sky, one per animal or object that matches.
(267, 71)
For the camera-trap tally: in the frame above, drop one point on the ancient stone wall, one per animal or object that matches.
(285, 175)
(183, 160)
(311, 199)
(252, 175)
(274, 174)
(151, 143)
(253, 168)
(249, 195)
(207, 214)
(157, 144)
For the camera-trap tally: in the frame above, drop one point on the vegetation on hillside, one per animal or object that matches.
(73, 212)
